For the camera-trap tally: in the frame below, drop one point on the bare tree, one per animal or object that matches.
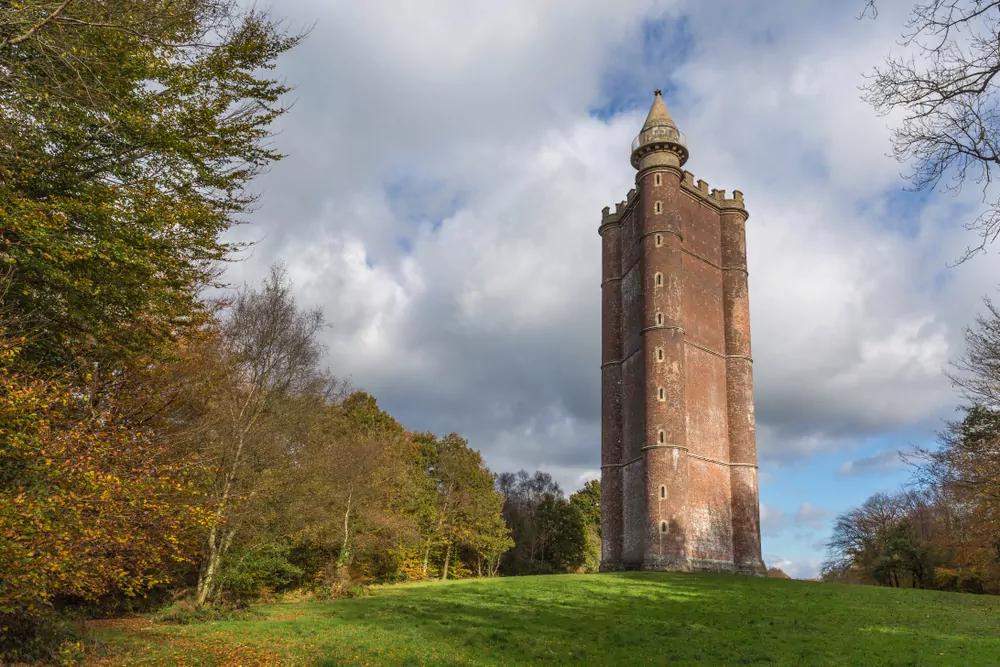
(977, 374)
(944, 83)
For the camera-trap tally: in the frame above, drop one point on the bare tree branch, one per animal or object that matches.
(945, 85)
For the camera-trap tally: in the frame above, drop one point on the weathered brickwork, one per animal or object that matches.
(678, 450)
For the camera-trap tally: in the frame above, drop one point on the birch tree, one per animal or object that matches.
(271, 358)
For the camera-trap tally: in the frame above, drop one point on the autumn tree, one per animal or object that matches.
(468, 508)
(128, 132)
(354, 490)
(91, 504)
(270, 378)
(943, 84)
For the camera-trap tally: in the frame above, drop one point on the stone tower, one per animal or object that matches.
(678, 450)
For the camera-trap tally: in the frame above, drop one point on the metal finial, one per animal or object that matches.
(658, 92)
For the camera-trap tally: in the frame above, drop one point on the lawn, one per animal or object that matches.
(618, 619)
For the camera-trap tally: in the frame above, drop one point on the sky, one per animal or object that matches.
(446, 167)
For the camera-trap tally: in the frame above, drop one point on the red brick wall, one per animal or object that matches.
(677, 402)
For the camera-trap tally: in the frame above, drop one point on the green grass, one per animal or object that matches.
(617, 619)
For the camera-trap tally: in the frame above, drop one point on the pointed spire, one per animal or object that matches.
(658, 114)
(659, 135)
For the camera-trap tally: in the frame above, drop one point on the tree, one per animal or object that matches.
(522, 493)
(468, 506)
(888, 540)
(550, 532)
(965, 472)
(588, 501)
(269, 379)
(128, 130)
(562, 534)
(91, 505)
(944, 83)
(354, 487)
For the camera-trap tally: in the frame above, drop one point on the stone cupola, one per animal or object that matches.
(659, 135)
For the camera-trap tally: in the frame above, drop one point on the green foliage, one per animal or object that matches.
(258, 571)
(562, 534)
(550, 532)
(128, 131)
(186, 612)
(588, 501)
(467, 510)
(607, 619)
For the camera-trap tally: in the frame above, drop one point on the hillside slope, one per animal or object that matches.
(635, 618)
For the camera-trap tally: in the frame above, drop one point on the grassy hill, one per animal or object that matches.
(635, 618)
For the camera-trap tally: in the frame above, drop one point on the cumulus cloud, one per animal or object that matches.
(445, 180)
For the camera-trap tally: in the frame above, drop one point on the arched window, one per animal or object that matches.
(658, 279)
(658, 240)
(663, 492)
(661, 394)
(658, 207)
(661, 437)
(659, 319)
(663, 527)
(659, 354)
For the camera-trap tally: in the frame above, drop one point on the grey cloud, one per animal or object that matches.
(443, 188)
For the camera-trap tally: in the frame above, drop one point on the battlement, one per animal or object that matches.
(607, 217)
(715, 196)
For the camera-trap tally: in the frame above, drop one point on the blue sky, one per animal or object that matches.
(447, 164)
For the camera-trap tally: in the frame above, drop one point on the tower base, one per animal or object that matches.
(680, 564)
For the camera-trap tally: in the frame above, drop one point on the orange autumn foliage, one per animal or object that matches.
(89, 506)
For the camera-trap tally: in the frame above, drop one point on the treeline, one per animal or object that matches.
(551, 533)
(158, 448)
(944, 530)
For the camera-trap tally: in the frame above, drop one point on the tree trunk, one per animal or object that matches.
(427, 556)
(208, 588)
(343, 557)
(447, 556)
(206, 578)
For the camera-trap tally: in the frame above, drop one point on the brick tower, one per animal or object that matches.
(678, 450)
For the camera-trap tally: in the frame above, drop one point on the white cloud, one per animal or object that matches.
(877, 463)
(443, 190)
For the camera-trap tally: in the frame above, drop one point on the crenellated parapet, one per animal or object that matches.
(609, 217)
(713, 197)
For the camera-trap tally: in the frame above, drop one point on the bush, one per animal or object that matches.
(257, 572)
(186, 611)
(41, 637)
(963, 581)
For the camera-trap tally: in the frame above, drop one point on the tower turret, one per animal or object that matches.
(659, 143)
